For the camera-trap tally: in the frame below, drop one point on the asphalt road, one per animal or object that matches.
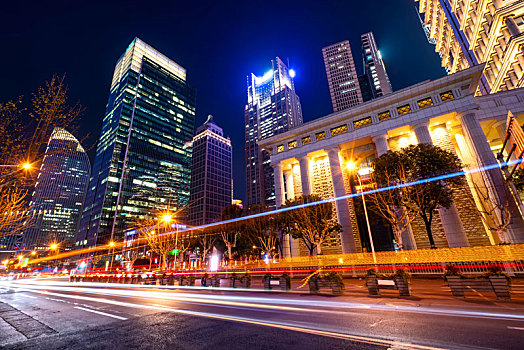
(55, 314)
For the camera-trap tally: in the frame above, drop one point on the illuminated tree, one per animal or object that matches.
(417, 163)
(314, 224)
(263, 231)
(231, 231)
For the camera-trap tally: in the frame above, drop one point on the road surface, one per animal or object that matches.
(53, 313)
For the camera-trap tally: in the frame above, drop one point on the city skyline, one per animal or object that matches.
(220, 83)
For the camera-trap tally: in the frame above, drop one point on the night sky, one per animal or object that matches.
(218, 42)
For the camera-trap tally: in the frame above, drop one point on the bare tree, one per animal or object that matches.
(230, 230)
(206, 243)
(263, 231)
(313, 223)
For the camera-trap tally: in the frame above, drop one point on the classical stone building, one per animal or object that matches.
(313, 158)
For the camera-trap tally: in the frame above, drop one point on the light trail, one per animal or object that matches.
(281, 325)
(241, 301)
(495, 166)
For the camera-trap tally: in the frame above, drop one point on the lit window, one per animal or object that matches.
(292, 144)
(280, 148)
(339, 130)
(320, 135)
(404, 109)
(361, 122)
(306, 140)
(384, 115)
(426, 102)
(446, 96)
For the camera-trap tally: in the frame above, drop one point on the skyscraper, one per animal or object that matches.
(211, 174)
(272, 107)
(374, 66)
(468, 33)
(342, 76)
(59, 193)
(143, 157)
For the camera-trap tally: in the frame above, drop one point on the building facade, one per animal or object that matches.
(59, 193)
(468, 33)
(273, 107)
(374, 67)
(443, 112)
(211, 174)
(143, 157)
(342, 76)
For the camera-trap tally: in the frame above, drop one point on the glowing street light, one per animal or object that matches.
(26, 166)
(166, 218)
(33, 253)
(351, 166)
(111, 244)
(53, 246)
(292, 73)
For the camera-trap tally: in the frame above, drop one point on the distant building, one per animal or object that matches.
(273, 107)
(342, 76)
(211, 174)
(468, 33)
(143, 158)
(374, 67)
(59, 193)
(365, 87)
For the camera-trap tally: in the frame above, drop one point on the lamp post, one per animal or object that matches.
(54, 247)
(112, 252)
(351, 166)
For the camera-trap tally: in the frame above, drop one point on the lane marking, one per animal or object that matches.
(287, 326)
(28, 296)
(101, 313)
(517, 328)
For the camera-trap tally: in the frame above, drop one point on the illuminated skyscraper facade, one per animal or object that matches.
(143, 158)
(211, 174)
(273, 107)
(59, 193)
(468, 33)
(342, 76)
(374, 66)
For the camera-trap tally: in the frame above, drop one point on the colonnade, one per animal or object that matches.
(475, 152)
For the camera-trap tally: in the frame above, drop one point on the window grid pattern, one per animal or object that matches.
(362, 122)
(280, 148)
(292, 144)
(320, 135)
(306, 140)
(339, 130)
(446, 96)
(425, 102)
(404, 109)
(384, 115)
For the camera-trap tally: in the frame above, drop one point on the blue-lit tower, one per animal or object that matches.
(273, 107)
(143, 158)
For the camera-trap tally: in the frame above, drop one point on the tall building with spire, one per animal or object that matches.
(273, 107)
(143, 158)
(59, 193)
(374, 66)
(342, 76)
(211, 174)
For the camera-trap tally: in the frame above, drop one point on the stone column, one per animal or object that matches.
(304, 175)
(346, 236)
(500, 126)
(495, 183)
(279, 189)
(290, 190)
(449, 217)
(408, 239)
(290, 245)
(381, 144)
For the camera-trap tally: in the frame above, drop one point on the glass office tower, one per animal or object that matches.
(273, 107)
(59, 193)
(211, 174)
(143, 158)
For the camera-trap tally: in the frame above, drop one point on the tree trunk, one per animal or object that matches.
(427, 223)
(319, 249)
(229, 254)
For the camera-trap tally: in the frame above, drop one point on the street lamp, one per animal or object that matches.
(351, 166)
(112, 252)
